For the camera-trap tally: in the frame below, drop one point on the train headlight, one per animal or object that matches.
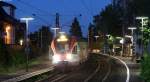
(69, 57)
(56, 58)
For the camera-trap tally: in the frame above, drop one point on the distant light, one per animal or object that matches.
(8, 34)
(127, 36)
(108, 35)
(96, 36)
(122, 41)
(8, 27)
(21, 42)
(119, 37)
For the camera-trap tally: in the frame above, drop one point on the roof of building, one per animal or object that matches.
(2, 3)
(4, 16)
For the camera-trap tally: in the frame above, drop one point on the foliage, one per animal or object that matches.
(145, 65)
(10, 57)
(76, 29)
(109, 21)
(46, 36)
(146, 34)
(141, 7)
(41, 39)
(5, 57)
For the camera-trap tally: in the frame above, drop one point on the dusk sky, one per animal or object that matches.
(68, 9)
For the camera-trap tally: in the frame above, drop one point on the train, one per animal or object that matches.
(68, 51)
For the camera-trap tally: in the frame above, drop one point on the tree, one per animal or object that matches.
(109, 21)
(142, 7)
(41, 39)
(76, 29)
(91, 35)
(146, 34)
(5, 57)
(45, 37)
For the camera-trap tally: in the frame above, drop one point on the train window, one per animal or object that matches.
(66, 47)
(62, 48)
(74, 50)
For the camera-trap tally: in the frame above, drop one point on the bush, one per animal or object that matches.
(10, 58)
(145, 68)
(5, 57)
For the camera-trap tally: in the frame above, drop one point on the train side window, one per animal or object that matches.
(74, 50)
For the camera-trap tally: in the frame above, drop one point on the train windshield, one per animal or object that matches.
(62, 47)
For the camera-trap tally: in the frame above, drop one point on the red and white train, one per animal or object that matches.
(68, 51)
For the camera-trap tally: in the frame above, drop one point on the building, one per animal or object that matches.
(11, 29)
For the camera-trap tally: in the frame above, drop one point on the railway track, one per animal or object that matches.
(89, 72)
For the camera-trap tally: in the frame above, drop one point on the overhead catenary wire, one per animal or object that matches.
(43, 20)
(45, 13)
(37, 17)
(41, 12)
(86, 7)
(38, 9)
(23, 11)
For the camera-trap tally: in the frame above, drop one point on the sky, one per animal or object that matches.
(44, 12)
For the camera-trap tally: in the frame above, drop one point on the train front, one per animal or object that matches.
(63, 47)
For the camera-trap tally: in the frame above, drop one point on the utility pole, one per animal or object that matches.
(57, 25)
(132, 39)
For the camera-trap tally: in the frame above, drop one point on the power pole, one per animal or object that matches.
(57, 20)
(57, 26)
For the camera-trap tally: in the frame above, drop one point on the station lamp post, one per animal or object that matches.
(144, 21)
(27, 19)
(55, 31)
(108, 37)
(96, 37)
(132, 36)
(121, 42)
(132, 32)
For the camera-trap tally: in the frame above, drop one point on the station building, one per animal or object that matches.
(11, 29)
